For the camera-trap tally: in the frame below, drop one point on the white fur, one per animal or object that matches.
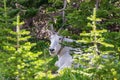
(64, 61)
(64, 57)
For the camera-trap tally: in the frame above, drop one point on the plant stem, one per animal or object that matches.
(97, 4)
(94, 31)
(18, 30)
(63, 13)
(46, 66)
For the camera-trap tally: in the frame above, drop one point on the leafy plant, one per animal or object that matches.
(97, 62)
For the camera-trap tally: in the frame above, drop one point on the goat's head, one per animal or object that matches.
(55, 45)
(55, 39)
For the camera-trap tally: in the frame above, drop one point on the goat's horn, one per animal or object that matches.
(51, 27)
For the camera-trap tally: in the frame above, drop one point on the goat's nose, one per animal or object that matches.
(51, 50)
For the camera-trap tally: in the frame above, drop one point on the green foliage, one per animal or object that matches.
(107, 11)
(98, 66)
(22, 57)
(16, 58)
(95, 36)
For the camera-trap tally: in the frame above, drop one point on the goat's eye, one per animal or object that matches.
(60, 38)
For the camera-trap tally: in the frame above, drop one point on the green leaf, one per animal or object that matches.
(98, 19)
(106, 44)
(85, 34)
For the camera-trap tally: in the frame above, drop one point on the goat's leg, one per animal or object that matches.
(57, 63)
